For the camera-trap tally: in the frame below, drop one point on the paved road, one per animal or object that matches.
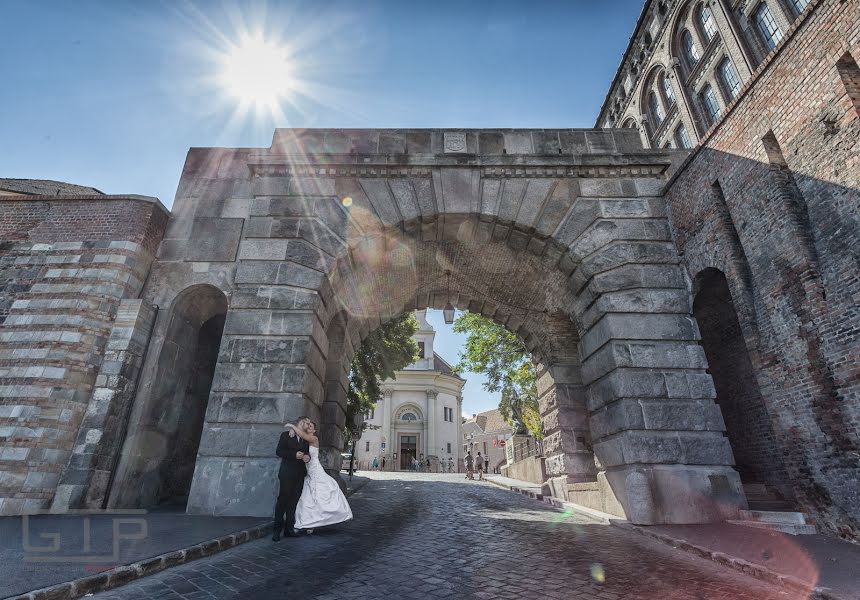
(421, 536)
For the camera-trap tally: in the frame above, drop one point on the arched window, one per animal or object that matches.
(706, 19)
(655, 109)
(799, 5)
(711, 104)
(667, 90)
(629, 124)
(408, 416)
(730, 78)
(682, 138)
(767, 27)
(690, 49)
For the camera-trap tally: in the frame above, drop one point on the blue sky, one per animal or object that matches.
(112, 94)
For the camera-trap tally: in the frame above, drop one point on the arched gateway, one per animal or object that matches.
(560, 235)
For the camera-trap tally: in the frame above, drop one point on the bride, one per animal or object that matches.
(321, 502)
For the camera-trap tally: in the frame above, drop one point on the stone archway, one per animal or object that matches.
(757, 452)
(560, 235)
(166, 424)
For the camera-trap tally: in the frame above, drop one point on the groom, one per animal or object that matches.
(294, 453)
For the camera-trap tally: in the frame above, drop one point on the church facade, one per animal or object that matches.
(419, 416)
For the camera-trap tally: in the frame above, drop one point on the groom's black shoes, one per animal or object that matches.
(276, 537)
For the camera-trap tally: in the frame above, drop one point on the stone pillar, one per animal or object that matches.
(564, 415)
(657, 430)
(86, 480)
(430, 446)
(387, 430)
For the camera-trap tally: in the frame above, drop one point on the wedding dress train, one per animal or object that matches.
(322, 502)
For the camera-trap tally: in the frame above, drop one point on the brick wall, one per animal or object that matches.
(771, 199)
(65, 265)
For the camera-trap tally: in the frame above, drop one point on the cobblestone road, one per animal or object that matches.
(438, 536)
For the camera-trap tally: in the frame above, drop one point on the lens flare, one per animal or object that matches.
(256, 71)
(597, 573)
(347, 202)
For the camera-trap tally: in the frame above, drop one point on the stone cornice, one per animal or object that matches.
(643, 164)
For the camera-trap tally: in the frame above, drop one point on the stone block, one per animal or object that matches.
(214, 239)
(234, 487)
(614, 326)
(263, 249)
(256, 408)
(263, 440)
(220, 440)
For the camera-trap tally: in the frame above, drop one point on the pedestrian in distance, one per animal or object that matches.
(450, 464)
(479, 465)
(383, 463)
(470, 464)
(374, 465)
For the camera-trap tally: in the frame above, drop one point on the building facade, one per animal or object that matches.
(419, 414)
(764, 216)
(487, 433)
(688, 60)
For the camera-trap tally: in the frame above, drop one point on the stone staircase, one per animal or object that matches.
(768, 510)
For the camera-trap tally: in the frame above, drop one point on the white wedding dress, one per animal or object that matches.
(322, 502)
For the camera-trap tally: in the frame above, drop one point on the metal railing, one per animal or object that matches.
(530, 447)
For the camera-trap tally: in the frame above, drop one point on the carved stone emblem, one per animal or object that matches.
(455, 142)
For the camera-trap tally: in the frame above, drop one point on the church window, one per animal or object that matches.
(371, 414)
(367, 446)
(730, 78)
(449, 447)
(706, 18)
(408, 417)
(655, 109)
(668, 91)
(420, 349)
(682, 137)
(690, 48)
(767, 26)
(711, 104)
(799, 5)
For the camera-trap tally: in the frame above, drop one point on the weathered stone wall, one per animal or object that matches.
(65, 266)
(771, 200)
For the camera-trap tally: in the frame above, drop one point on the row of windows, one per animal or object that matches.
(764, 26)
(727, 73)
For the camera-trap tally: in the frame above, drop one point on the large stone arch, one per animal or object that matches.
(166, 421)
(560, 235)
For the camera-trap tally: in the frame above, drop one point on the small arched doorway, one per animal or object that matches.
(758, 456)
(159, 453)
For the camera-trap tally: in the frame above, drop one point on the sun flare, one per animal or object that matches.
(257, 71)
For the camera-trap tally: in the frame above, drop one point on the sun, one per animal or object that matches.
(257, 72)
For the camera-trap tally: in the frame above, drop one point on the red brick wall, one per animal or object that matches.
(793, 266)
(65, 265)
(46, 219)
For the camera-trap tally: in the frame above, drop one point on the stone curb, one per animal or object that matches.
(738, 564)
(119, 576)
(124, 574)
(757, 571)
(591, 513)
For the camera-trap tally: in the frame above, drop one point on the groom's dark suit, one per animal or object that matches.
(292, 479)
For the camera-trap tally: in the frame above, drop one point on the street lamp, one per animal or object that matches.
(448, 313)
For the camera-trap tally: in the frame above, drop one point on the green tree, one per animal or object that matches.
(385, 351)
(501, 356)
